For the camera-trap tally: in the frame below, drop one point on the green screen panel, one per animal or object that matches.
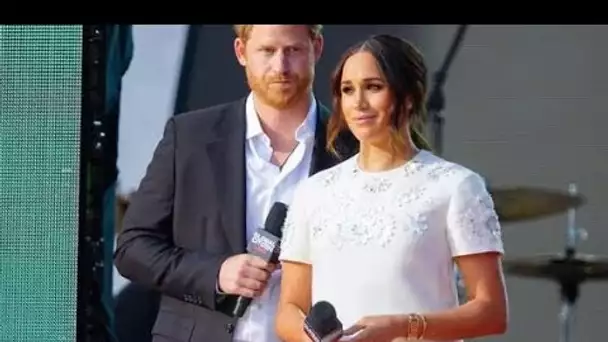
(40, 95)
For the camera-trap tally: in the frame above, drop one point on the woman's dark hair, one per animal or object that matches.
(405, 71)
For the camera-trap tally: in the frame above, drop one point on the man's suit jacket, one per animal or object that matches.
(188, 216)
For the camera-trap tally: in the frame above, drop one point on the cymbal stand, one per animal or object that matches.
(435, 106)
(569, 285)
(436, 102)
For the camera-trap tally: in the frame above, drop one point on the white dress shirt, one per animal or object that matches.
(266, 184)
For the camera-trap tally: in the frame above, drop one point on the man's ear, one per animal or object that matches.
(318, 47)
(239, 51)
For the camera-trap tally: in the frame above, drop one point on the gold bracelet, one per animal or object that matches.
(416, 327)
(412, 327)
(423, 330)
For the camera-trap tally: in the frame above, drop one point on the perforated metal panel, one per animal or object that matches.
(40, 95)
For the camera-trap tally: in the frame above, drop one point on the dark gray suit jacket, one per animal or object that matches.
(188, 216)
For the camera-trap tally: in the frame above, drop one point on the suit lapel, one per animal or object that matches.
(226, 152)
(322, 158)
(227, 156)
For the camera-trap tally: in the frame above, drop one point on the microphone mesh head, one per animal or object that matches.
(323, 318)
(276, 219)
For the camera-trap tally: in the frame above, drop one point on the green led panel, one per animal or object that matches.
(40, 95)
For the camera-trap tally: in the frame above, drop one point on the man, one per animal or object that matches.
(135, 305)
(212, 180)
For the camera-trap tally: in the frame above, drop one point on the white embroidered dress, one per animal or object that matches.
(383, 242)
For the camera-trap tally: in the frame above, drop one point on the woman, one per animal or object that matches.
(378, 235)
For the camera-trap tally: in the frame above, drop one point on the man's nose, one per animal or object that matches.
(280, 63)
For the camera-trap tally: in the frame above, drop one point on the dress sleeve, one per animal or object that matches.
(295, 244)
(472, 222)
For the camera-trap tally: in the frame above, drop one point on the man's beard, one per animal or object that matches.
(274, 94)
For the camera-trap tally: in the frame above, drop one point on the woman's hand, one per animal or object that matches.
(374, 329)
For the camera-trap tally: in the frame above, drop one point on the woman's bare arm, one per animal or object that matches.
(295, 301)
(486, 311)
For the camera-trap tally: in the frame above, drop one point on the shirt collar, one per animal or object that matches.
(254, 127)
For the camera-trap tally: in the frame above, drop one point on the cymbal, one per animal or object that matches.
(578, 268)
(525, 203)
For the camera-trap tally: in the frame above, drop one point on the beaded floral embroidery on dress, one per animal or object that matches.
(365, 208)
(349, 207)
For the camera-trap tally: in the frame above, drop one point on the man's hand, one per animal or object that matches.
(244, 275)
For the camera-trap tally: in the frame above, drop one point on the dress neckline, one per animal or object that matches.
(410, 163)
